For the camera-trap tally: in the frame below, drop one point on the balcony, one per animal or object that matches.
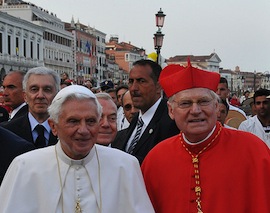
(19, 61)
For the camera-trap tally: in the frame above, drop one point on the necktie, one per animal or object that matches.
(40, 141)
(136, 137)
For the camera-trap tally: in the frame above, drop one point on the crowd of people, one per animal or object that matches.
(163, 143)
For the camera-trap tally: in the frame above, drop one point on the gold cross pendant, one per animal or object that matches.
(195, 160)
(78, 208)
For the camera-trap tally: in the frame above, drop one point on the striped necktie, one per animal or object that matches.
(136, 137)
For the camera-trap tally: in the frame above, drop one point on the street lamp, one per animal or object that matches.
(160, 17)
(158, 36)
(142, 52)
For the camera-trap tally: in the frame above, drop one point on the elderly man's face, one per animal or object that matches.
(77, 127)
(39, 93)
(195, 113)
(108, 126)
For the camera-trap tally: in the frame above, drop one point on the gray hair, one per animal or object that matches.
(42, 71)
(104, 96)
(56, 106)
(212, 93)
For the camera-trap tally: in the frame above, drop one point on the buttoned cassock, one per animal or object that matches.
(234, 174)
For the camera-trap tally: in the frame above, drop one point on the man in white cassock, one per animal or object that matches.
(76, 175)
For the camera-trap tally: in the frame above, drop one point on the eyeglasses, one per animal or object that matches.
(187, 103)
(261, 102)
(128, 107)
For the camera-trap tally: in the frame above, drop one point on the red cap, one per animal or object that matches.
(175, 78)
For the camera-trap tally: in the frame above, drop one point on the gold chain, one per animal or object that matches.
(60, 179)
(195, 162)
(78, 208)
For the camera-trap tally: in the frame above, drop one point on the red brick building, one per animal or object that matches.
(84, 50)
(123, 53)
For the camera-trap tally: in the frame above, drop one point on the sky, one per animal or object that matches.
(238, 31)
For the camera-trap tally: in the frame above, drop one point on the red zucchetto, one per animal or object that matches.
(175, 78)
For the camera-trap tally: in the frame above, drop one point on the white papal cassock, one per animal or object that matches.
(107, 181)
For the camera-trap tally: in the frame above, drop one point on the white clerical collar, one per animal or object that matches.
(71, 161)
(208, 136)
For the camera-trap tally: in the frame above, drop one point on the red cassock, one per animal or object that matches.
(234, 174)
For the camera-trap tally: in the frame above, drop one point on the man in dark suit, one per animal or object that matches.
(13, 93)
(152, 124)
(11, 146)
(40, 85)
(3, 114)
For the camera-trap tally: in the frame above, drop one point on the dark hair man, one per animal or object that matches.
(259, 124)
(152, 124)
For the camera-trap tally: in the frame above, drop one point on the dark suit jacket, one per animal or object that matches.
(160, 127)
(22, 111)
(3, 114)
(11, 146)
(21, 127)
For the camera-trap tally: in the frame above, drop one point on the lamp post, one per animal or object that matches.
(158, 36)
(266, 79)
(243, 83)
(254, 81)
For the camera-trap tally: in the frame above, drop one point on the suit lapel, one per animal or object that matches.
(151, 128)
(21, 112)
(123, 142)
(26, 131)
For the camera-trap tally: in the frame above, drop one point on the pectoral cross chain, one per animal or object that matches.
(78, 208)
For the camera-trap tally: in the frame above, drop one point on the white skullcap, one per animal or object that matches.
(72, 89)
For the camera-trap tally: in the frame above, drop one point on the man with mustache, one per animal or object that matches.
(152, 122)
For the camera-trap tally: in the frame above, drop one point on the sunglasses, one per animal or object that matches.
(128, 107)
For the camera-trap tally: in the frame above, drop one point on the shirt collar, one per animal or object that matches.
(34, 122)
(148, 115)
